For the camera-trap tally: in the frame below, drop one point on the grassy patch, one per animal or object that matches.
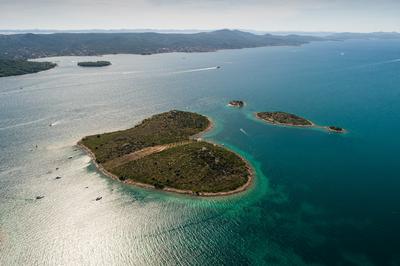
(165, 128)
(160, 152)
(284, 118)
(197, 166)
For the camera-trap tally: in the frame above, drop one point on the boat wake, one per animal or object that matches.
(244, 132)
(54, 123)
(385, 62)
(131, 72)
(196, 70)
(22, 124)
(374, 64)
(393, 61)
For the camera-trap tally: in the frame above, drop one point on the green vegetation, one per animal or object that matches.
(197, 166)
(28, 45)
(165, 128)
(21, 67)
(236, 103)
(24, 46)
(283, 118)
(335, 129)
(160, 152)
(94, 64)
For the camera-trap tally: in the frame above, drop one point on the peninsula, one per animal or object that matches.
(21, 67)
(162, 152)
(288, 119)
(94, 64)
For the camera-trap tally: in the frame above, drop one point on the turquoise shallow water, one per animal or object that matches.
(318, 198)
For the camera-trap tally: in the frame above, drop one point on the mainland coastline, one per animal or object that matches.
(195, 139)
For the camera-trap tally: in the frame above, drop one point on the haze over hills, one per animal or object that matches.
(183, 31)
(372, 35)
(29, 45)
(49, 31)
(24, 46)
(16, 48)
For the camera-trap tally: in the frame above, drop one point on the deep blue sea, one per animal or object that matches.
(318, 198)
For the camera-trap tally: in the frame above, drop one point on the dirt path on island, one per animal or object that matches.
(141, 153)
(159, 148)
(150, 150)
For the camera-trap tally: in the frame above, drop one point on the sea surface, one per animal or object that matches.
(319, 198)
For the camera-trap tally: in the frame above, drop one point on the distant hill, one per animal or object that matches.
(24, 46)
(372, 35)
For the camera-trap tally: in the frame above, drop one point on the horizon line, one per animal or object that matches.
(27, 30)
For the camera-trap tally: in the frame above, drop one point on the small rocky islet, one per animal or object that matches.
(236, 103)
(335, 129)
(163, 152)
(283, 118)
(94, 64)
(288, 119)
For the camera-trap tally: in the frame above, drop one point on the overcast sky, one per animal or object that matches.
(268, 15)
